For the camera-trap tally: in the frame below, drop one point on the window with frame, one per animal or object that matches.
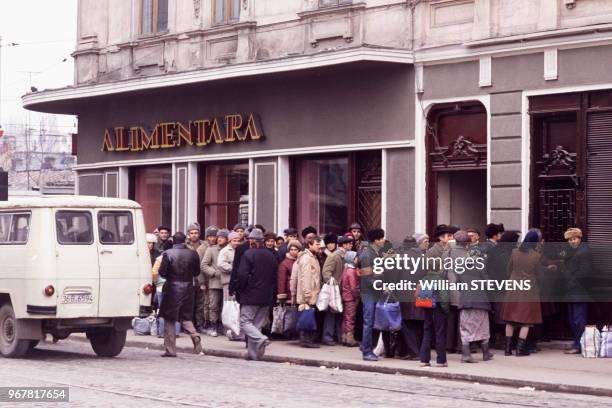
(14, 228)
(226, 194)
(115, 228)
(151, 187)
(331, 3)
(226, 11)
(154, 16)
(74, 227)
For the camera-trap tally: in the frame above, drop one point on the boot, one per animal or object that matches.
(350, 340)
(508, 349)
(197, 344)
(486, 354)
(522, 349)
(466, 354)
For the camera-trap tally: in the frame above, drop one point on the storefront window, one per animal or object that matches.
(321, 193)
(152, 188)
(226, 194)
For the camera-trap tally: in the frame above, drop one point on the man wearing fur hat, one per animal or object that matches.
(201, 301)
(333, 268)
(193, 236)
(578, 264)
(356, 231)
(209, 268)
(367, 257)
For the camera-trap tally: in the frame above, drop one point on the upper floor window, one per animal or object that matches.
(329, 3)
(154, 16)
(226, 11)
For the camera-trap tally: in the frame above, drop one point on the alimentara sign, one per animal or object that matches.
(168, 135)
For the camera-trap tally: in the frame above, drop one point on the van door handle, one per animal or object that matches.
(106, 251)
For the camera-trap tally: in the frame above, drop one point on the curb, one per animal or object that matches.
(506, 382)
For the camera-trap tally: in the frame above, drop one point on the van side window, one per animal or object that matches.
(115, 228)
(14, 228)
(74, 227)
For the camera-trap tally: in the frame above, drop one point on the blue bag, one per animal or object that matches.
(387, 316)
(161, 327)
(307, 320)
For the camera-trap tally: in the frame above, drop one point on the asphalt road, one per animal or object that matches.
(140, 377)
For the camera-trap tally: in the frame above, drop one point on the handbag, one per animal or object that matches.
(278, 320)
(335, 300)
(424, 298)
(307, 320)
(290, 323)
(605, 349)
(387, 316)
(324, 297)
(590, 342)
(230, 316)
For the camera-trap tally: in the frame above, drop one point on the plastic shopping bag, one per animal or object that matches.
(590, 341)
(324, 297)
(230, 316)
(278, 319)
(335, 300)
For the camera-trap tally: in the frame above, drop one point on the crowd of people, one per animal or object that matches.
(195, 273)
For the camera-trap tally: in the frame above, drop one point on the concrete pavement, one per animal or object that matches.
(548, 370)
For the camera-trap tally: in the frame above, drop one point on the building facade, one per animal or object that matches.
(400, 114)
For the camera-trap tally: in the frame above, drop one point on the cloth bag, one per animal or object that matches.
(278, 320)
(590, 342)
(335, 299)
(387, 316)
(324, 296)
(307, 320)
(605, 348)
(290, 323)
(424, 298)
(230, 316)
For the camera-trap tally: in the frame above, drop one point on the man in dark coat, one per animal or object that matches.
(179, 266)
(256, 293)
(239, 251)
(578, 264)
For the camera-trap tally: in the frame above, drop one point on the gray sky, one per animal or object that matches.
(46, 32)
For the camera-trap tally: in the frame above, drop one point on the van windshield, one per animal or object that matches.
(74, 227)
(115, 228)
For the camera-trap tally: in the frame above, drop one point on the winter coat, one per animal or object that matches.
(154, 253)
(238, 252)
(179, 266)
(334, 265)
(162, 246)
(523, 306)
(194, 246)
(306, 278)
(436, 251)
(407, 298)
(349, 283)
(209, 268)
(578, 265)
(471, 299)
(284, 278)
(256, 278)
(225, 262)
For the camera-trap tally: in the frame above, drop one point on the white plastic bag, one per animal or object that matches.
(142, 327)
(324, 297)
(379, 350)
(335, 300)
(230, 316)
(154, 325)
(605, 349)
(590, 342)
(278, 320)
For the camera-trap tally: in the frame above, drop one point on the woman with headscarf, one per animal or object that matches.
(522, 307)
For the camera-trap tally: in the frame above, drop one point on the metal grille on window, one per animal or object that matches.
(557, 212)
(369, 189)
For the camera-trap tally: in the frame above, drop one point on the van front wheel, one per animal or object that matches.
(107, 342)
(10, 344)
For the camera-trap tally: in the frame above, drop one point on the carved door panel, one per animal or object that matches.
(456, 140)
(558, 176)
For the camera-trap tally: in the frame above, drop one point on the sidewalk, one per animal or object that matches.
(548, 370)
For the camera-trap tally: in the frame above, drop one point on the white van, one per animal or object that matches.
(71, 264)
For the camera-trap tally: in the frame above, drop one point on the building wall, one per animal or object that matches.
(400, 192)
(331, 107)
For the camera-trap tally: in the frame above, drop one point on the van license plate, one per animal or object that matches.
(72, 299)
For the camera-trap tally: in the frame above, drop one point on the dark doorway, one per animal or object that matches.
(457, 165)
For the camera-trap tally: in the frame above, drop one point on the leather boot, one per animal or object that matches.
(486, 354)
(466, 354)
(508, 349)
(350, 340)
(522, 349)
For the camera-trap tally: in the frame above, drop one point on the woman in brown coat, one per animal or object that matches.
(522, 307)
(283, 293)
